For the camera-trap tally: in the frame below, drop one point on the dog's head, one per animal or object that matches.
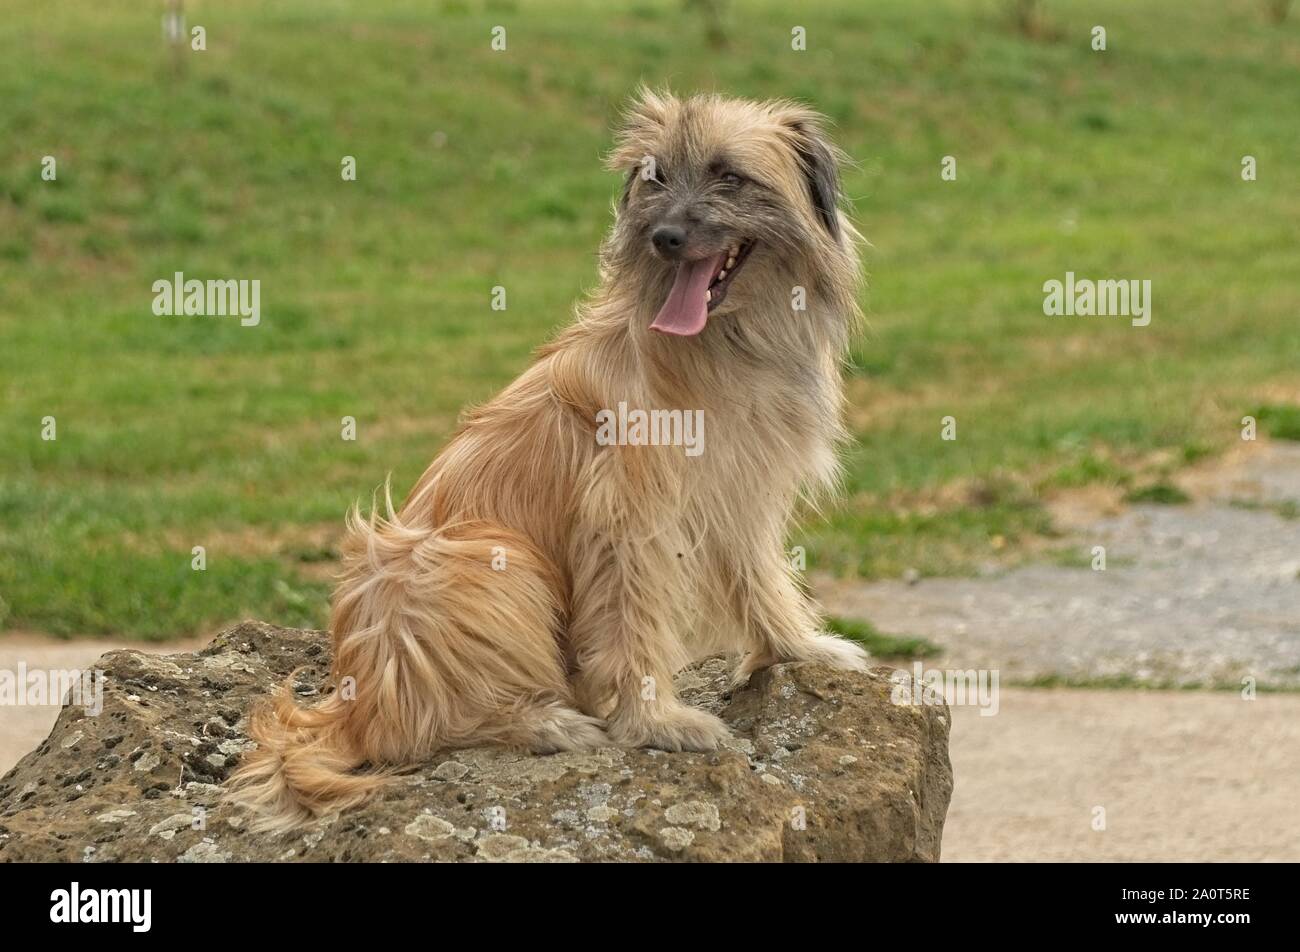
(725, 203)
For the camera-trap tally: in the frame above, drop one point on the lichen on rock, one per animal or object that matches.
(822, 767)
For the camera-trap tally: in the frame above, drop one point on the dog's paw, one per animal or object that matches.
(562, 728)
(754, 661)
(677, 729)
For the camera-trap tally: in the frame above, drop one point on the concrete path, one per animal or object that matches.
(1180, 775)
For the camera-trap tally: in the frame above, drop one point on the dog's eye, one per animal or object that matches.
(732, 180)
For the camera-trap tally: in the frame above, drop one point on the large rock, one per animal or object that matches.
(823, 767)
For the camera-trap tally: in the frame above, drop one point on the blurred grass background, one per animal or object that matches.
(478, 168)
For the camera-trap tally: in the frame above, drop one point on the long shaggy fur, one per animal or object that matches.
(539, 590)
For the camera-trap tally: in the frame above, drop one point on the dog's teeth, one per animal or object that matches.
(722, 274)
(708, 295)
(731, 262)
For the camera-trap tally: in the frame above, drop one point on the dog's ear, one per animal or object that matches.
(818, 159)
(626, 192)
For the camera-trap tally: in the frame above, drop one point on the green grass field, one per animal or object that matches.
(479, 168)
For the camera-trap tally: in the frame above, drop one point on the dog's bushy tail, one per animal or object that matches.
(305, 765)
(432, 648)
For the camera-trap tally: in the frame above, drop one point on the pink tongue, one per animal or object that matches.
(685, 311)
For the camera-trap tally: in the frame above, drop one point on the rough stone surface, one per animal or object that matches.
(823, 767)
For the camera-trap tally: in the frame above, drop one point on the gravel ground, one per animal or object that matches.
(1199, 594)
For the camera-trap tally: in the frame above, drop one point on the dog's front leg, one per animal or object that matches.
(781, 624)
(627, 597)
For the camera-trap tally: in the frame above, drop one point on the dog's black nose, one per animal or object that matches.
(669, 240)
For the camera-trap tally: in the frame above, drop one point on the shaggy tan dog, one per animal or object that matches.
(561, 559)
